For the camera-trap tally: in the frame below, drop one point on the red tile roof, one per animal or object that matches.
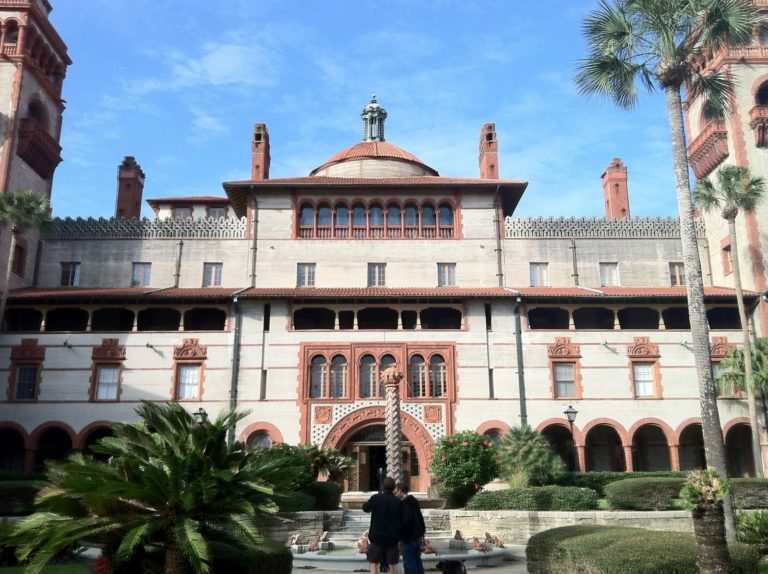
(326, 180)
(373, 149)
(192, 199)
(376, 292)
(625, 292)
(119, 293)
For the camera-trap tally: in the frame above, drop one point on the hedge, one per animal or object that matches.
(17, 497)
(611, 550)
(749, 492)
(643, 493)
(563, 498)
(597, 480)
(327, 495)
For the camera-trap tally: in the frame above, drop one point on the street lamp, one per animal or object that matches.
(200, 416)
(570, 414)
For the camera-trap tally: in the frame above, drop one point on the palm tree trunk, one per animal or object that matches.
(714, 448)
(7, 284)
(175, 563)
(711, 548)
(751, 402)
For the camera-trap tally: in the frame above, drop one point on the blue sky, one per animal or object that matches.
(179, 85)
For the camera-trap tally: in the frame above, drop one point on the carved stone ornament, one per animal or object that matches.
(391, 375)
(642, 347)
(190, 349)
(323, 415)
(109, 350)
(433, 414)
(576, 227)
(562, 347)
(720, 347)
(29, 351)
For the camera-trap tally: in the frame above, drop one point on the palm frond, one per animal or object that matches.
(194, 545)
(715, 91)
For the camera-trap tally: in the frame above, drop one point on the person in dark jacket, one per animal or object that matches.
(384, 532)
(412, 530)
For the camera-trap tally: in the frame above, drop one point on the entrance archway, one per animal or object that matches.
(738, 448)
(650, 450)
(11, 450)
(559, 436)
(692, 448)
(361, 435)
(604, 450)
(54, 443)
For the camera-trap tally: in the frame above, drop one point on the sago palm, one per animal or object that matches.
(650, 44)
(20, 211)
(170, 484)
(737, 191)
(523, 452)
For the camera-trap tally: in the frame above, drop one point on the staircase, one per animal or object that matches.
(355, 522)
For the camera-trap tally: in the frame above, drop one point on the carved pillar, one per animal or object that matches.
(336, 321)
(399, 319)
(616, 324)
(674, 456)
(662, 325)
(392, 427)
(90, 320)
(571, 324)
(628, 458)
(135, 326)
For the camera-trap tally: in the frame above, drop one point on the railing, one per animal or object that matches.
(9, 49)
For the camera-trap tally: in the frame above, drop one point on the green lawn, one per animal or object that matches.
(58, 569)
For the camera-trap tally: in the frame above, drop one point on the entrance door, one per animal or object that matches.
(377, 455)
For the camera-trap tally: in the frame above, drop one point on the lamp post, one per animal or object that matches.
(570, 414)
(200, 416)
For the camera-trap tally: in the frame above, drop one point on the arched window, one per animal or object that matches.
(386, 362)
(394, 217)
(428, 214)
(437, 383)
(11, 32)
(417, 377)
(446, 215)
(411, 221)
(376, 221)
(36, 111)
(761, 97)
(368, 377)
(259, 440)
(342, 221)
(318, 376)
(307, 215)
(338, 377)
(762, 35)
(359, 221)
(324, 214)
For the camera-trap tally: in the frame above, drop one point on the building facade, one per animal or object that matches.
(289, 297)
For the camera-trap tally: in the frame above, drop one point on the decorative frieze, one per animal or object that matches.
(720, 347)
(642, 348)
(596, 227)
(121, 228)
(29, 351)
(708, 149)
(109, 350)
(190, 349)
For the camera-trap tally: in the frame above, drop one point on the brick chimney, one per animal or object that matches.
(489, 153)
(130, 187)
(615, 189)
(260, 153)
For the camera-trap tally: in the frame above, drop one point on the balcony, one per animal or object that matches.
(709, 149)
(37, 148)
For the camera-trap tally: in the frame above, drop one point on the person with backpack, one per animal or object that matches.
(412, 530)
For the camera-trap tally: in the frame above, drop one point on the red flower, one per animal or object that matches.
(442, 459)
(476, 486)
(465, 443)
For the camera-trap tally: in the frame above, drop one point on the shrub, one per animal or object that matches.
(528, 453)
(749, 492)
(463, 462)
(17, 497)
(643, 493)
(267, 560)
(563, 498)
(611, 550)
(327, 495)
(752, 528)
(597, 480)
(297, 501)
(7, 549)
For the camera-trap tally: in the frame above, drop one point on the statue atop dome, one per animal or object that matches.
(373, 121)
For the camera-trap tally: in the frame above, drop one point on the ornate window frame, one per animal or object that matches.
(563, 351)
(109, 354)
(27, 354)
(718, 350)
(189, 353)
(643, 351)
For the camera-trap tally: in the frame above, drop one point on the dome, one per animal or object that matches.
(374, 157)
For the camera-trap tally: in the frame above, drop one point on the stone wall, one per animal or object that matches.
(311, 524)
(516, 526)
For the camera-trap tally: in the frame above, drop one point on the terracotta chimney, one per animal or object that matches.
(130, 187)
(260, 153)
(489, 153)
(615, 189)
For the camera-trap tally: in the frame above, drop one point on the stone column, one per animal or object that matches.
(392, 428)
(581, 457)
(628, 458)
(674, 456)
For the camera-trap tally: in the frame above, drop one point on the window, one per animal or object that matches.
(70, 274)
(26, 383)
(318, 374)
(645, 383)
(259, 441)
(182, 212)
(417, 375)
(609, 274)
(539, 274)
(437, 381)
(446, 274)
(107, 378)
(376, 276)
(212, 274)
(217, 212)
(19, 261)
(305, 274)
(565, 379)
(141, 274)
(187, 382)
(676, 274)
(328, 383)
(725, 251)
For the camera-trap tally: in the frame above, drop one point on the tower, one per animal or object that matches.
(489, 153)
(130, 187)
(33, 64)
(615, 189)
(260, 157)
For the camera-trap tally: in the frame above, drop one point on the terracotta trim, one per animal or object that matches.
(19, 429)
(623, 434)
(578, 436)
(669, 434)
(732, 423)
(35, 435)
(271, 431)
(88, 429)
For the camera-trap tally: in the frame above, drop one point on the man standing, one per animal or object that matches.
(384, 532)
(412, 531)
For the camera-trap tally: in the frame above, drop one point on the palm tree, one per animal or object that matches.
(170, 484)
(527, 455)
(658, 45)
(737, 191)
(22, 210)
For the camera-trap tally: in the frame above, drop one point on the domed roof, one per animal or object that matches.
(373, 157)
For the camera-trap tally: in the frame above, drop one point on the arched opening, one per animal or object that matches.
(723, 318)
(318, 374)
(93, 438)
(692, 448)
(593, 318)
(11, 450)
(323, 215)
(338, 377)
(11, 32)
(205, 319)
(676, 318)
(376, 221)
(367, 448)
(761, 97)
(738, 447)
(54, 444)
(428, 221)
(342, 221)
(158, 319)
(21, 320)
(66, 319)
(37, 112)
(495, 436)
(650, 450)
(377, 318)
(440, 318)
(112, 319)
(411, 221)
(313, 318)
(438, 383)
(259, 440)
(603, 449)
(562, 442)
(307, 215)
(359, 221)
(638, 318)
(548, 318)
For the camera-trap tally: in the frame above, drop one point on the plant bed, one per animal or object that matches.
(644, 493)
(558, 498)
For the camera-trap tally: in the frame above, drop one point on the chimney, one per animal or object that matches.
(260, 153)
(489, 153)
(130, 187)
(615, 189)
